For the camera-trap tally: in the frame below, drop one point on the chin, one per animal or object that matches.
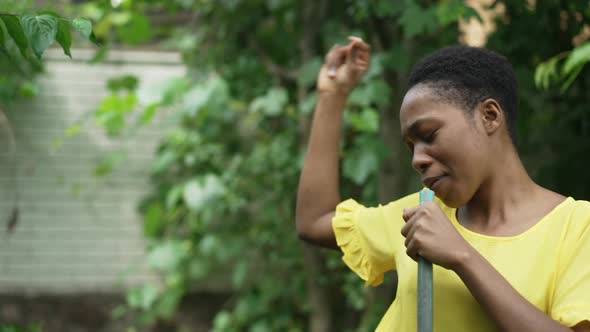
(450, 200)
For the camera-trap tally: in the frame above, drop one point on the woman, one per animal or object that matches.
(509, 255)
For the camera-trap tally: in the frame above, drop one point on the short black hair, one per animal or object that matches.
(466, 76)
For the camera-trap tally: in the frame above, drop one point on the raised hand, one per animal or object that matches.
(344, 67)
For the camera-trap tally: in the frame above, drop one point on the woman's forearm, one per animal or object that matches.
(319, 190)
(500, 300)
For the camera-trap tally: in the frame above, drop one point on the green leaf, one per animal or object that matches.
(83, 26)
(449, 12)
(41, 31)
(169, 301)
(201, 191)
(546, 72)
(359, 165)
(113, 110)
(29, 89)
(154, 220)
(109, 163)
(64, 36)
(272, 103)
(199, 268)
(240, 273)
(367, 120)
(308, 104)
(578, 57)
(125, 82)
(73, 130)
(173, 196)
(213, 93)
(2, 34)
(166, 256)
(364, 158)
(388, 8)
(142, 297)
(571, 77)
(164, 160)
(222, 321)
(148, 113)
(308, 74)
(470, 13)
(208, 245)
(136, 31)
(15, 31)
(416, 20)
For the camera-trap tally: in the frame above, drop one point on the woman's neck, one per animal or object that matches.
(502, 197)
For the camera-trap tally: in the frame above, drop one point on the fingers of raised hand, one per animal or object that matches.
(359, 53)
(335, 58)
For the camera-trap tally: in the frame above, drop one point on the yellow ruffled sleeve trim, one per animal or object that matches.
(573, 315)
(350, 242)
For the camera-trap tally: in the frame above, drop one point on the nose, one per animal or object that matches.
(420, 159)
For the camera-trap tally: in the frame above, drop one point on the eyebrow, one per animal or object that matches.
(411, 130)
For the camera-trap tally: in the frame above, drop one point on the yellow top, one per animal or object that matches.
(549, 264)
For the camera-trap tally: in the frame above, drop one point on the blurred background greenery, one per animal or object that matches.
(224, 179)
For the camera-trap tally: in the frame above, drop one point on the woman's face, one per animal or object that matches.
(448, 145)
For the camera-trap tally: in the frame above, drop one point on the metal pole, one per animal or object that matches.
(425, 293)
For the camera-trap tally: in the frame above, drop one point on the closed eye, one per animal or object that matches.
(430, 137)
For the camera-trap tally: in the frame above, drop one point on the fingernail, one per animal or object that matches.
(332, 71)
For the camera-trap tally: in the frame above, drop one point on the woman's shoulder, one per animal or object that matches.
(580, 209)
(576, 215)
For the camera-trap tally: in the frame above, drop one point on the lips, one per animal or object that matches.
(431, 181)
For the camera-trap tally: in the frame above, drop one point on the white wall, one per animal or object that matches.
(76, 232)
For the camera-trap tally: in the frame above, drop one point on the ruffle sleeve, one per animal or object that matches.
(352, 244)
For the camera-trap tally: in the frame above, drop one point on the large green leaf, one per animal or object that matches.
(15, 31)
(64, 36)
(199, 192)
(41, 31)
(579, 56)
(360, 164)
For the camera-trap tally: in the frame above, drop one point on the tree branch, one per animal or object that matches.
(272, 66)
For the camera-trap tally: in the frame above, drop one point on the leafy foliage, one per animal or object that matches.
(553, 123)
(224, 180)
(571, 62)
(40, 31)
(24, 35)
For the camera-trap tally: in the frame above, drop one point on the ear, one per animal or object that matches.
(491, 115)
